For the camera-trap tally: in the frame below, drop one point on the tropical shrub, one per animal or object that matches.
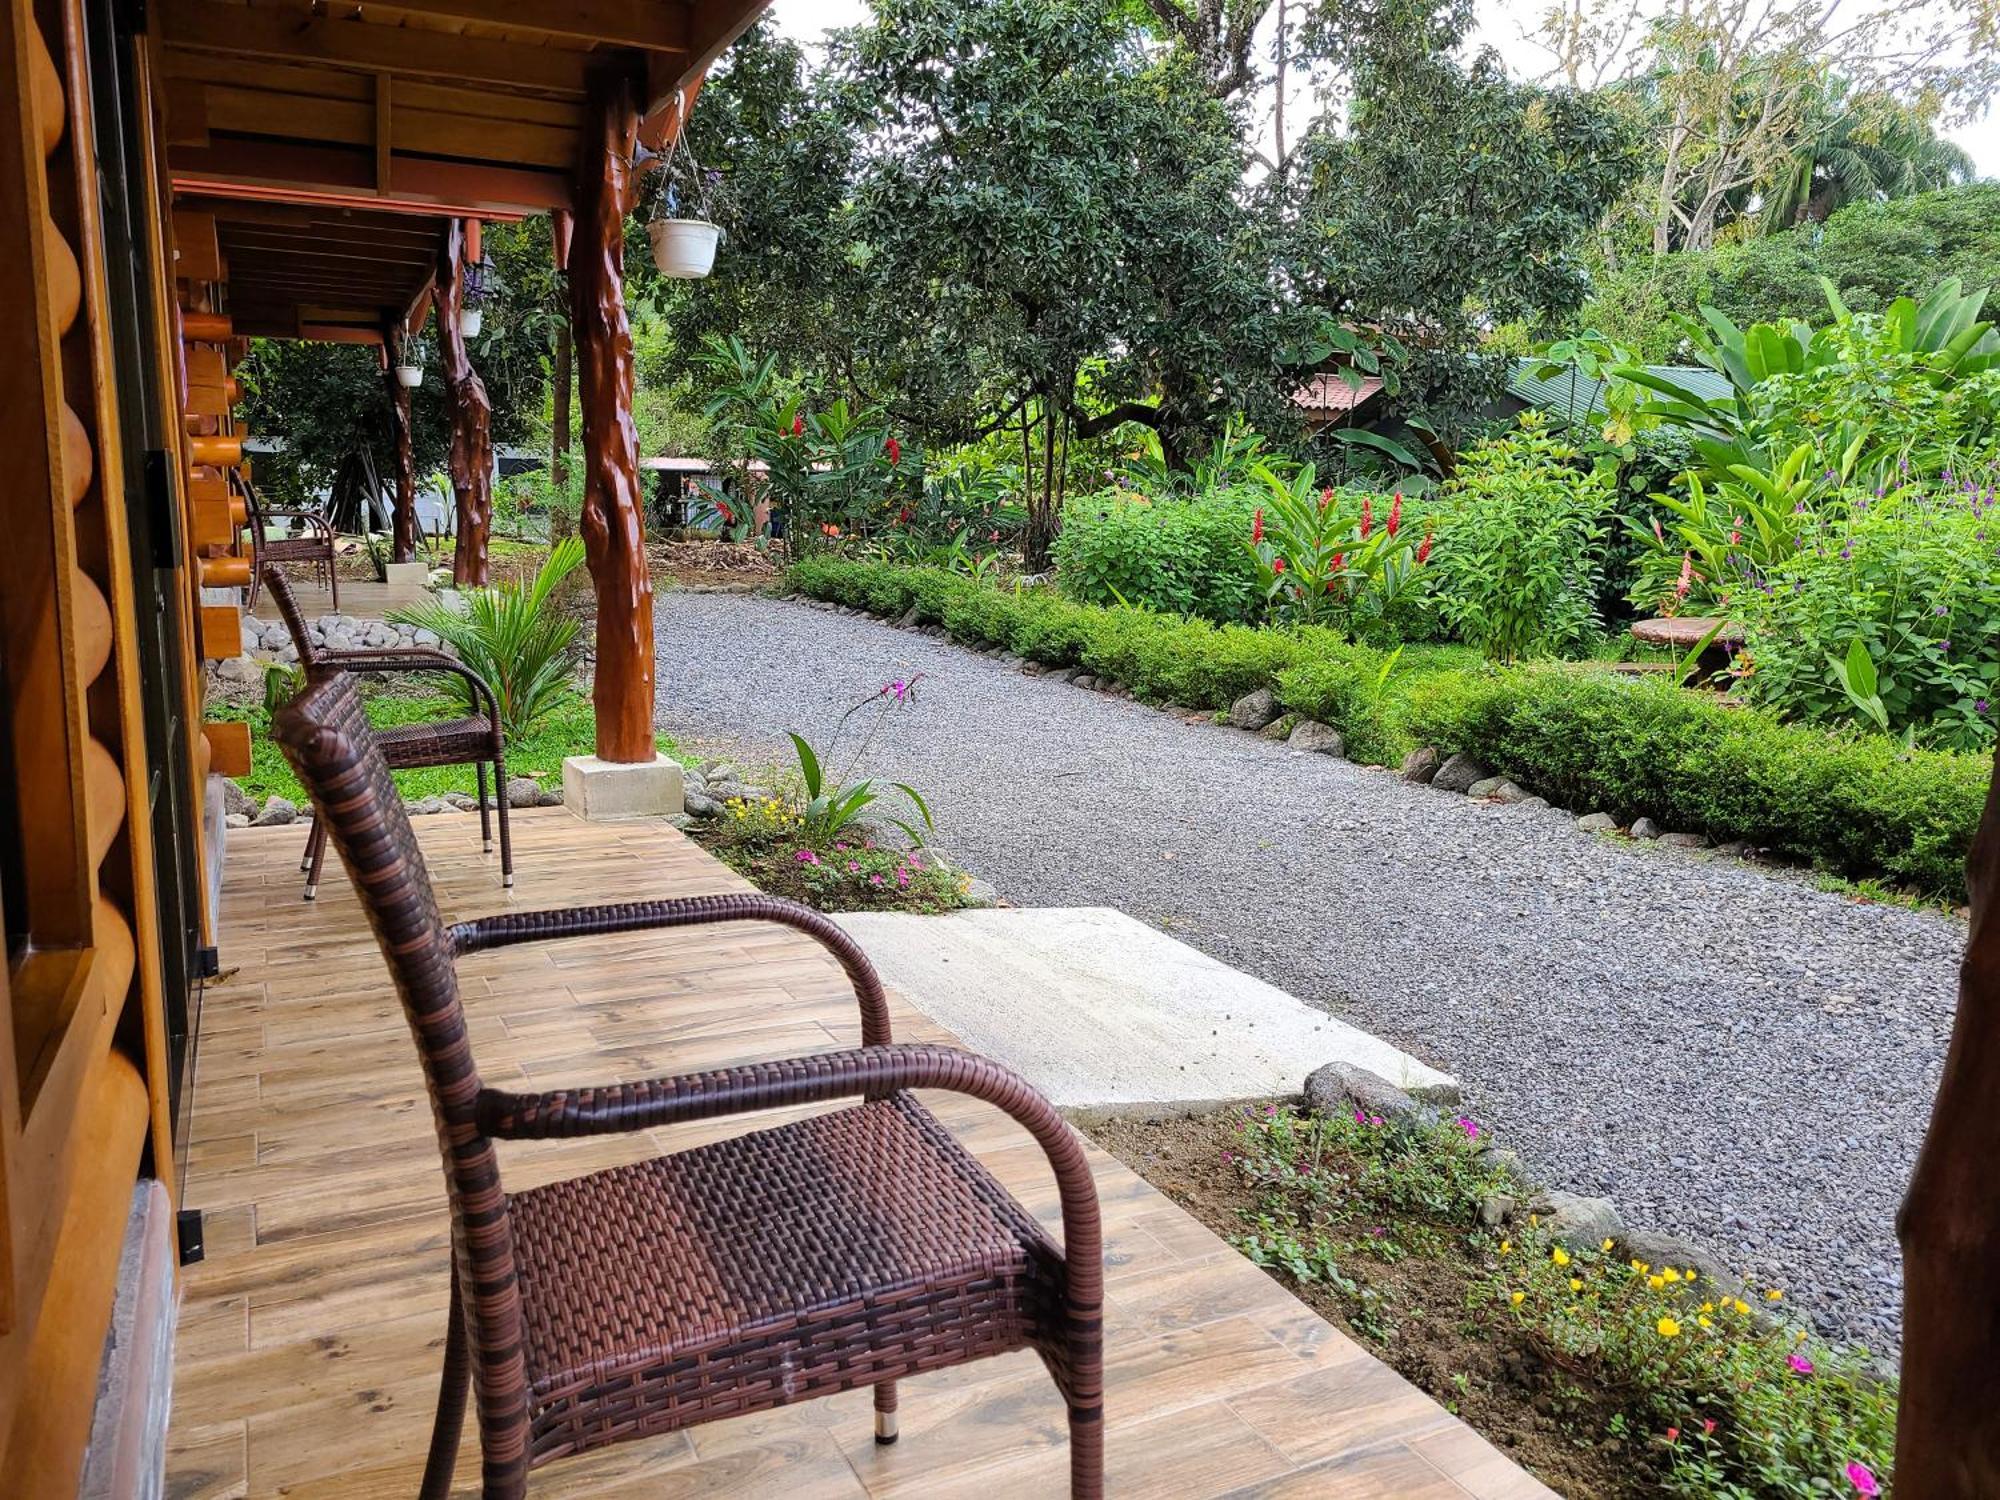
(769, 841)
(1520, 545)
(833, 798)
(1887, 614)
(1180, 556)
(519, 638)
(1317, 560)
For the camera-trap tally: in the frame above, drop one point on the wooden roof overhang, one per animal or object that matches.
(330, 142)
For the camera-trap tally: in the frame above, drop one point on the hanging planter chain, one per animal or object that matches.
(683, 248)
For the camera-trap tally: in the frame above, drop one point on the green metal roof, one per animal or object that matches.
(1576, 397)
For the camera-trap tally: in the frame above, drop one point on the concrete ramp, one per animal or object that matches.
(1096, 1008)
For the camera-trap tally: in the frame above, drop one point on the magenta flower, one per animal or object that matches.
(1470, 1127)
(806, 857)
(1799, 1363)
(1862, 1478)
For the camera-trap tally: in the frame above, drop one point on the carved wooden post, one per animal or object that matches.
(1948, 1424)
(613, 517)
(471, 455)
(403, 512)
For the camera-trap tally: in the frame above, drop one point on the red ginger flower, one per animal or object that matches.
(1424, 549)
(895, 451)
(1367, 516)
(799, 425)
(1277, 565)
(1257, 527)
(1396, 513)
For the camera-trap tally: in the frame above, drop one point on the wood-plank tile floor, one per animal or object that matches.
(311, 1336)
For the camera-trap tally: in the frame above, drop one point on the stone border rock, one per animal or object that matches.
(241, 810)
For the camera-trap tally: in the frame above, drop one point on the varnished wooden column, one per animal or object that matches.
(1948, 1424)
(403, 512)
(470, 459)
(613, 526)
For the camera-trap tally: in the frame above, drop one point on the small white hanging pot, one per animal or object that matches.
(684, 248)
(411, 376)
(471, 320)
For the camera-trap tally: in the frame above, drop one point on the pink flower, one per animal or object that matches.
(854, 867)
(1360, 1117)
(874, 879)
(1367, 516)
(1470, 1127)
(1862, 1478)
(806, 857)
(1707, 1425)
(1799, 1363)
(1687, 576)
(1673, 1434)
(1277, 565)
(1257, 527)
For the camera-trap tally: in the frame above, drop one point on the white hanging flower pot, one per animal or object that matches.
(411, 376)
(470, 320)
(684, 248)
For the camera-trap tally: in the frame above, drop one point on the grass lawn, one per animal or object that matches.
(569, 730)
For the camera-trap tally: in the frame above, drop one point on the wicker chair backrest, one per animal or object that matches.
(288, 610)
(326, 737)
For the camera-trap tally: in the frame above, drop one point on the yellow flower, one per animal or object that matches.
(1576, 1284)
(1641, 1267)
(1704, 1322)
(1708, 1307)
(1670, 1275)
(1668, 1328)
(1742, 1307)
(1606, 1246)
(1560, 1256)
(1689, 1273)
(1516, 1297)
(1774, 1295)
(1505, 1246)
(1534, 1221)
(1799, 1337)
(1657, 1283)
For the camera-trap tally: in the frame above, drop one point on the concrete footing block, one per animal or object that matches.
(604, 791)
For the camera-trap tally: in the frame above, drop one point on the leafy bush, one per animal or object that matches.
(1593, 740)
(1317, 562)
(1520, 545)
(1182, 557)
(1584, 738)
(1908, 580)
(519, 639)
(770, 842)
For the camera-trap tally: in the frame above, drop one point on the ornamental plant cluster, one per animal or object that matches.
(1857, 806)
(1700, 1383)
(771, 841)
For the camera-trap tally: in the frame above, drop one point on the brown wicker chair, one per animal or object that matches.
(848, 1249)
(313, 545)
(471, 740)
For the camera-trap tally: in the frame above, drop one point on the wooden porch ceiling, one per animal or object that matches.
(371, 125)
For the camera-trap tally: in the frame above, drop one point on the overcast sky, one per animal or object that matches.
(807, 19)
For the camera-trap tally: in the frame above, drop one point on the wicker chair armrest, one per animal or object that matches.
(873, 1071)
(413, 659)
(313, 517)
(691, 911)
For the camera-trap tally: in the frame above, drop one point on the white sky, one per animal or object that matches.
(807, 19)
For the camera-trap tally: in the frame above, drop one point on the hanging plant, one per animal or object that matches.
(684, 237)
(481, 286)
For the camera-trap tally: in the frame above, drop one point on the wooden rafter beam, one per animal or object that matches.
(672, 82)
(645, 24)
(301, 36)
(341, 177)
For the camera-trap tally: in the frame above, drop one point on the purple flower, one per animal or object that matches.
(1470, 1127)
(1800, 1364)
(1979, 707)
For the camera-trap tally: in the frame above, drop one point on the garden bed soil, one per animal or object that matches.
(1416, 1321)
(709, 565)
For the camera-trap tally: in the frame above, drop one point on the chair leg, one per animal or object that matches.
(306, 854)
(485, 812)
(333, 581)
(885, 1412)
(506, 833)
(1086, 1453)
(449, 1424)
(318, 860)
(1082, 1386)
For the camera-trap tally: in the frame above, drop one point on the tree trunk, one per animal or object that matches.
(1948, 1424)
(403, 511)
(559, 412)
(614, 535)
(470, 457)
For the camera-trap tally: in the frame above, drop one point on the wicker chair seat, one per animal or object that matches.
(849, 1248)
(440, 742)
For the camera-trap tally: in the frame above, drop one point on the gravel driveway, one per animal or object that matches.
(1726, 1052)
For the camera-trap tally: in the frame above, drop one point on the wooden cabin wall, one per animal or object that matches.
(83, 1086)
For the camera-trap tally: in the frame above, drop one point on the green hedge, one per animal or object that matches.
(1585, 738)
